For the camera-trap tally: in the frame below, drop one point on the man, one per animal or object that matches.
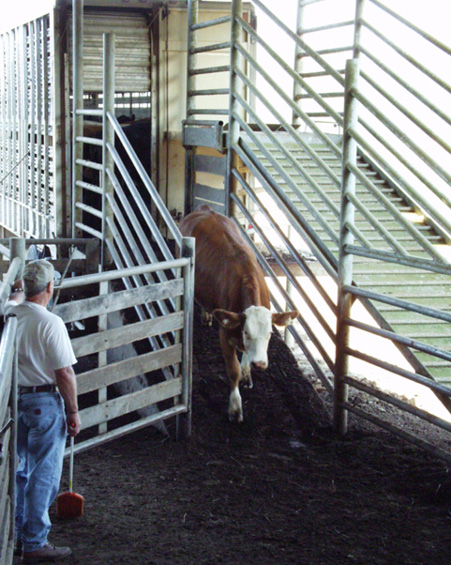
(45, 379)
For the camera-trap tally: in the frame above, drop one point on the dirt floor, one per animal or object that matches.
(280, 488)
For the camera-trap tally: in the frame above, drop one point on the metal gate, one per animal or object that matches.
(362, 215)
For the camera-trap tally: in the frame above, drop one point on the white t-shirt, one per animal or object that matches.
(43, 344)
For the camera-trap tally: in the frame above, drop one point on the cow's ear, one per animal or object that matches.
(285, 318)
(228, 320)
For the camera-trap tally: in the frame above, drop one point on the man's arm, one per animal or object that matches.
(67, 385)
(17, 293)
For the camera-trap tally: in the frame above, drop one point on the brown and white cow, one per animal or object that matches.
(230, 284)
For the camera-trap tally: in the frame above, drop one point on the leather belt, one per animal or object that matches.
(41, 388)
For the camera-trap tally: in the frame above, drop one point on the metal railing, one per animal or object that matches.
(117, 210)
(8, 408)
(371, 206)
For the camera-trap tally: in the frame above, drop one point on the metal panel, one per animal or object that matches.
(26, 130)
(132, 49)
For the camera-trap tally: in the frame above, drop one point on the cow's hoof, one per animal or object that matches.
(206, 318)
(236, 417)
(247, 382)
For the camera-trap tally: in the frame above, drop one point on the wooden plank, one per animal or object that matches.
(128, 368)
(89, 307)
(129, 403)
(116, 337)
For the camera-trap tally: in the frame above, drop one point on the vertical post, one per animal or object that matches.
(63, 213)
(17, 249)
(193, 17)
(13, 436)
(155, 93)
(102, 356)
(108, 138)
(236, 86)
(298, 61)
(360, 6)
(77, 119)
(345, 259)
(187, 250)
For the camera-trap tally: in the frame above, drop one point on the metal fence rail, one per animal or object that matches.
(27, 139)
(117, 211)
(372, 206)
(8, 411)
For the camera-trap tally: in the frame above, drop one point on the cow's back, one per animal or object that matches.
(227, 273)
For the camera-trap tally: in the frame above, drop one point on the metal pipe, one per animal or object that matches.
(407, 188)
(108, 139)
(156, 198)
(286, 240)
(436, 451)
(95, 278)
(296, 109)
(298, 61)
(423, 310)
(409, 58)
(293, 281)
(208, 48)
(302, 43)
(429, 37)
(287, 68)
(145, 212)
(408, 226)
(414, 91)
(322, 252)
(77, 126)
(392, 257)
(187, 251)
(311, 358)
(331, 232)
(217, 21)
(236, 89)
(393, 336)
(345, 260)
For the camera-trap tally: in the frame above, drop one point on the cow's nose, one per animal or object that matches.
(260, 364)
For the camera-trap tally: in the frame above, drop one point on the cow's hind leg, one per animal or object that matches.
(234, 374)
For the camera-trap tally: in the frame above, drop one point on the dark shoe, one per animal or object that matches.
(18, 548)
(47, 553)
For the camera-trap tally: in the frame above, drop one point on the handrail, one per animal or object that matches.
(428, 36)
(156, 198)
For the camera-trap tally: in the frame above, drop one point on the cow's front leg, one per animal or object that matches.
(234, 373)
(246, 376)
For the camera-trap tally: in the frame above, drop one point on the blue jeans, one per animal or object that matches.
(41, 439)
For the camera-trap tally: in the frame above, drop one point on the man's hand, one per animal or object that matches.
(67, 385)
(73, 424)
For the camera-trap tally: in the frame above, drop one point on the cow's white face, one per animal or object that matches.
(256, 334)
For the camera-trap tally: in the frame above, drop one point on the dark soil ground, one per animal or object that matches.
(280, 488)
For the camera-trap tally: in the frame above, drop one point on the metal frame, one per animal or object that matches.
(339, 237)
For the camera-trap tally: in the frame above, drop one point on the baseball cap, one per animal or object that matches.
(36, 276)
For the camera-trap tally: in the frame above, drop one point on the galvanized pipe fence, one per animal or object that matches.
(8, 406)
(27, 147)
(371, 204)
(116, 210)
